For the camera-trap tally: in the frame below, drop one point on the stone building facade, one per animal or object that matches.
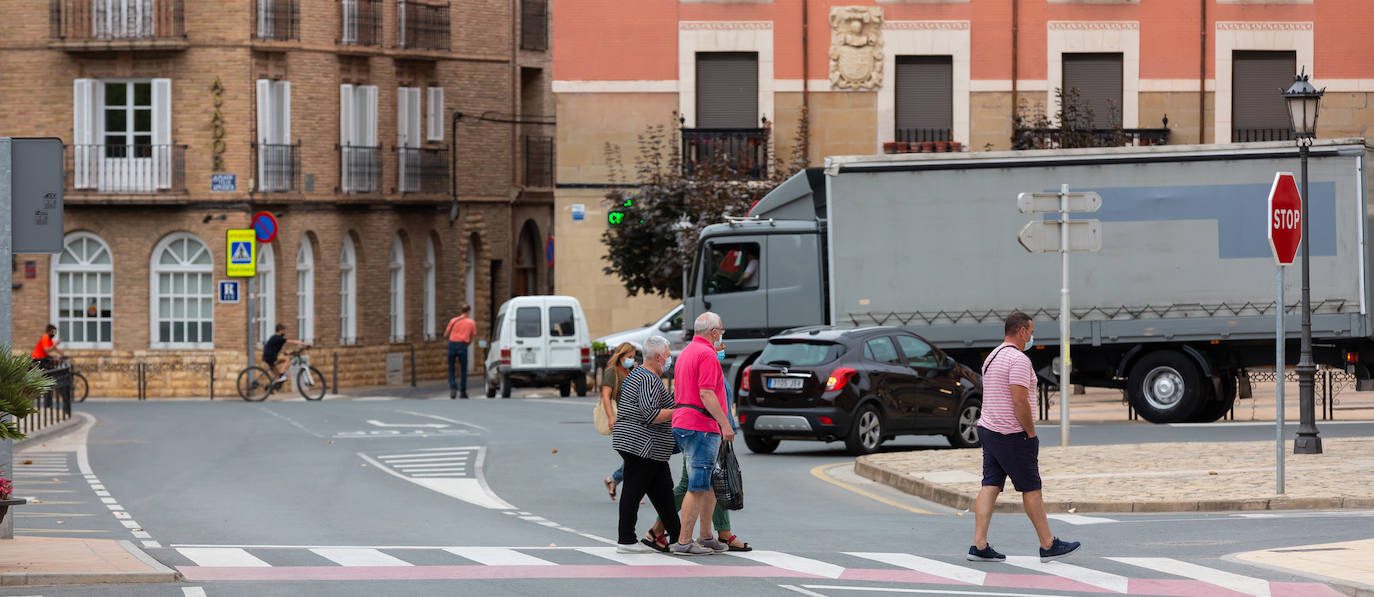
(872, 74)
(183, 118)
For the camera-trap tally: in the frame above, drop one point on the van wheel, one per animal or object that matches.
(965, 434)
(581, 384)
(505, 386)
(761, 444)
(491, 388)
(564, 389)
(866, 436)
(1166, 387)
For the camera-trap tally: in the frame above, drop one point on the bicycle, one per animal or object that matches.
(255, 383)
(80, 387)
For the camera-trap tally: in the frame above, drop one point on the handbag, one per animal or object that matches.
(726, 480)
(599, 418)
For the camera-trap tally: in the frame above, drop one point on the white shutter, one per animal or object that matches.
(345, 134)
(264, 125)
(413, 123)
(84, 110)
(162, 132)
(435, 119)
(264, 14)
(402, 116)
(283, 111)
(370, 113)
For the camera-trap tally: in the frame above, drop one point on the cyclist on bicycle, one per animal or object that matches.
(271, 350)
(47, 345)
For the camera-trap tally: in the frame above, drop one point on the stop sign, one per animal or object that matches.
(1285, 218)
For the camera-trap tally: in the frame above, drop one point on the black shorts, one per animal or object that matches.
(272, 362)
(1012, 455)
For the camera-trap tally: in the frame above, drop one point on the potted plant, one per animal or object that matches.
(21, 383)
(6, 488)
(889, 147)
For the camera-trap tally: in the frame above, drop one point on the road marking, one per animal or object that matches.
(151, 543)
(1075, 519)
(433, 466)
(931, 591)
(927, 566)
(471, 490)
(222, 557)
(460, 456)
(497, 556)
(422, 425)
(819, 473)
(797, 589)
(638, 559)
(193, 592)
(359, 557)
(288, 420)
(1227, 580)
(787, 561)
(446, 420)
(1111, 582)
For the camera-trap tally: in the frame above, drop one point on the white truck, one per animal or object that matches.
(1173, 309)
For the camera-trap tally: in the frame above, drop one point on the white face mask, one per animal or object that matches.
(1029, 343)
(668, 362)
(627, 363)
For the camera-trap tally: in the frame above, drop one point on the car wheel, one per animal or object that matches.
(1166, 387)
(866, 436)
(580, 383)
(761, 444)
(565, 389)
(965, 434)
(505, 386)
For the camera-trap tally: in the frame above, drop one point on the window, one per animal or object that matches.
(800, 354)
(924, 98)
(918, 353)
(534, 25)
(398, 290)
(1258, 110)
(882, 350)
(305, 291)
(408, 139)
(83, 292)
(434, 115)
(361, 166)
(561, 324)
(728, 90)
(275, 163)
(265, 304)
(732, 267)
(528, 322)
(122, 19)
(1097, 77)
(674, 323)
(348, 293)
(183, 273)
(122, 135)
(430, 282)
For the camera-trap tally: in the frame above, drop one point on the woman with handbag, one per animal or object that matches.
(622, 361)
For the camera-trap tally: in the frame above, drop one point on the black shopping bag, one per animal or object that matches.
(726, 479)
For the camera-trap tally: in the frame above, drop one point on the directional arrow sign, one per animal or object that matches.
(1038, 203)
(1043, 237)
(422, 425)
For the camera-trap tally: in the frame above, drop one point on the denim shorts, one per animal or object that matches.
(699, 451)
(1014, 455)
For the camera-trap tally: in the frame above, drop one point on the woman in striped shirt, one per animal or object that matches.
(643, 436)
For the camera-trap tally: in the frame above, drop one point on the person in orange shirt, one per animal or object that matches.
(459, 331)
(47, 345)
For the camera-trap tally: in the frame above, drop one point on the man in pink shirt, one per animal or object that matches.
(700, 420)
(459, 331)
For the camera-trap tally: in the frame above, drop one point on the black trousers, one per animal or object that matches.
(654, 479)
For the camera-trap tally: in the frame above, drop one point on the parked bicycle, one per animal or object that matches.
(256, 383)
(80, 387)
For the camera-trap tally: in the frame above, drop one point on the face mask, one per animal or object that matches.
(668, 363)
(627, 363)
(1029, 343)
(720, 355)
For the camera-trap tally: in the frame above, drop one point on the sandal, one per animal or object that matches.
(741, 547)
(659, 543)
(610, 487)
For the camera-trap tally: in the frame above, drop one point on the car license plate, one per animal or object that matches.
(527, 358)
(785, 383)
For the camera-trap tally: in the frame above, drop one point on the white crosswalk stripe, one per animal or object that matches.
(359, 557)
(1220, 578)
(1076, 519)
(927, 565)
(787, 561)
(1105, 580)
(497, 556)
(640, 559)
(231, 557)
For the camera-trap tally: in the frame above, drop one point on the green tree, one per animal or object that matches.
(1034, 129)
(21, 382)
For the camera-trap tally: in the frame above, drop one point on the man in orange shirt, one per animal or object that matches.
(459, 331)
(46, 346)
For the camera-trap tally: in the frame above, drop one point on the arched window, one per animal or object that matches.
(430, 283)
(398, 290)
(305, 291)
(348, 292)
(265, 285)
(83, 292)
(183, 280)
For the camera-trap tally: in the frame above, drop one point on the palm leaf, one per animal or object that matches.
(21, 383)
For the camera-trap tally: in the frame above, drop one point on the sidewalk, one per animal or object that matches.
(1348, 566)
(1102, 405)
(1157, 477)
(61, 561)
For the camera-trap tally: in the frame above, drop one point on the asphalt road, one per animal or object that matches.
(416, 496)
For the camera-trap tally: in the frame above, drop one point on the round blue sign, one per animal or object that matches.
(265, 225)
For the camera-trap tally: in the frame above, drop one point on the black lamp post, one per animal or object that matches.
(1303, 100)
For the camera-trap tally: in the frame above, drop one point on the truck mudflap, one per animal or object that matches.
(1364, 381)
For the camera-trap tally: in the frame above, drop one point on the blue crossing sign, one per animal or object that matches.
(229, 291)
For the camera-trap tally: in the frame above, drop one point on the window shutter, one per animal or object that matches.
(1256, 77)
(345, 134)
(162, 132)
(282, 112)
(402, 116)
(728, 90)
(84, 109)
(264, 125)
(413, 124)
(1097, 76)
(370, 113)
(435, 118)
(925, 94)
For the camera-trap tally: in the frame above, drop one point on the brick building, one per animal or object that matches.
(337, 116)
(934, 74)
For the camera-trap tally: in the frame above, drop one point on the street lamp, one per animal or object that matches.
(1303, 100)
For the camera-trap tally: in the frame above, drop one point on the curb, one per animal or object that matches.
(1353, 589)
(49, 432)
(954, 499)
(158, 574)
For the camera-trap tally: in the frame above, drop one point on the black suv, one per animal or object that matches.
(863, 386)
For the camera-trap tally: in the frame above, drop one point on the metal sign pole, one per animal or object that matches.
(251, 314)
(1064, 363)
(1280, 338)
(6, 306)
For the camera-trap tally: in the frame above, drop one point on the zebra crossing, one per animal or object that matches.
(1109, 575)
(46, 464)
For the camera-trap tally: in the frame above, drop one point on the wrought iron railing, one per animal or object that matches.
(534, 25)
(422, 26)
(918, 135)
(1276, 134)
(54, 406)
(422, 170)
(735, 152)
(279, 167)
(1053, 138)
(361, 169)
(110, 20)
(126, 168)
(277, 20)
(360, 22)
(538, 161)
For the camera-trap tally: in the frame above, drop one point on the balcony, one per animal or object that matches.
(538, 161)
(360, 169)
(1248, 135)
(733, 153)
(922, 135)
(104, 25)
(422, 170)
(422, 26)
(279, 168)
(361, 22)
(1053, 138)
(131, 169)
(277, 20)
(534, 25)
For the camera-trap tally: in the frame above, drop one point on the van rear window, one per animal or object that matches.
(561, 322)
(527, 323)
(800, 354)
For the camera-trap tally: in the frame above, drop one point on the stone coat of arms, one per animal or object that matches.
(856, 47)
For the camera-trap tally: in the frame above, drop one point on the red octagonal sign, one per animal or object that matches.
(1285, 218)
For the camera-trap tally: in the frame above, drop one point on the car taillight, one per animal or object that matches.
(1352, 357)
(826, 420)
(838, 378)
(742, 417)
(586, 355)
(505, 356)
(744, 383)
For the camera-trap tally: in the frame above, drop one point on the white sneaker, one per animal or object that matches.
(634, 548)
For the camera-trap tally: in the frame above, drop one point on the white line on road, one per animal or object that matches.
(227, 557)
(637, 559)
(430, 466)
(497, 556)
(288, 420)
(797, 589)
(421, 425)
(404, 458)
(927, 566)
(787, 561)
(1111, 582)
(445, 419)
(193, 592)
(359, 557)
(1075, 519)
(1227, 580)
(473, 490)
(932, 591)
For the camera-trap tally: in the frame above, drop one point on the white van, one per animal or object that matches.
(539, 341)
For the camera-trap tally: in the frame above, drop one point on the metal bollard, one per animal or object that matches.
(336, 373)
(212, 378)
(412, 365)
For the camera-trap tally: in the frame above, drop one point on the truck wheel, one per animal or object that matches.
(1217, 408)
(505, 386)
(1167, 387)
(565, 389)
(761, 444)
(965, 434)
(866, 436)
(580, 384)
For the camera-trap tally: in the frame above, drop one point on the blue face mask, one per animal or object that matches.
(720, 355)
(627, 363)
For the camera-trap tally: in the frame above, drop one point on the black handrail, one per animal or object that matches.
(738, 152)
(422, 26)
(139, 168)
(423, 170)
(95, 20)
(277, 20)
(360, 23)
(361, 169)
(279, 167)
(538, 161)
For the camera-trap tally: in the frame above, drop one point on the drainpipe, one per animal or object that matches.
(806, 97)
(1202, 76)
(1015, 20)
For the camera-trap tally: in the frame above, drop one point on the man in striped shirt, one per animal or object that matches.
(1010, 448)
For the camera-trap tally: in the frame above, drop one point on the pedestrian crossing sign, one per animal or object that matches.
(243, 254)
